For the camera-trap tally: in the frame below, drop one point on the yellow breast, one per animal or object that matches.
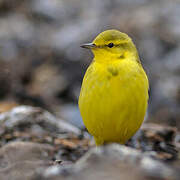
(113, 100)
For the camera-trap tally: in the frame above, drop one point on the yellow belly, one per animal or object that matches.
(113, 100)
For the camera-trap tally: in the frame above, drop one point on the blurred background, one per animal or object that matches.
(42, 64)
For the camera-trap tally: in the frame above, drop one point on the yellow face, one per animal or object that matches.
(112, 45)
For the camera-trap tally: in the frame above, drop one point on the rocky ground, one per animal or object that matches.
(42, 66)
(36, 145)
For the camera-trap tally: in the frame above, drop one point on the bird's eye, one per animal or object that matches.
(110, 45)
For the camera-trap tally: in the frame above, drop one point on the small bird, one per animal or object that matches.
(114, 93)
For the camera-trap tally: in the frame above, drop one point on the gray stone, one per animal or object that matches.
(19, 160)
(27, 114)
(112, 162)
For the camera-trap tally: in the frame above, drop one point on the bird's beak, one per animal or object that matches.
(88, 45)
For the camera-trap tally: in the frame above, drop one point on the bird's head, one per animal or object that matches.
(112, 45)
